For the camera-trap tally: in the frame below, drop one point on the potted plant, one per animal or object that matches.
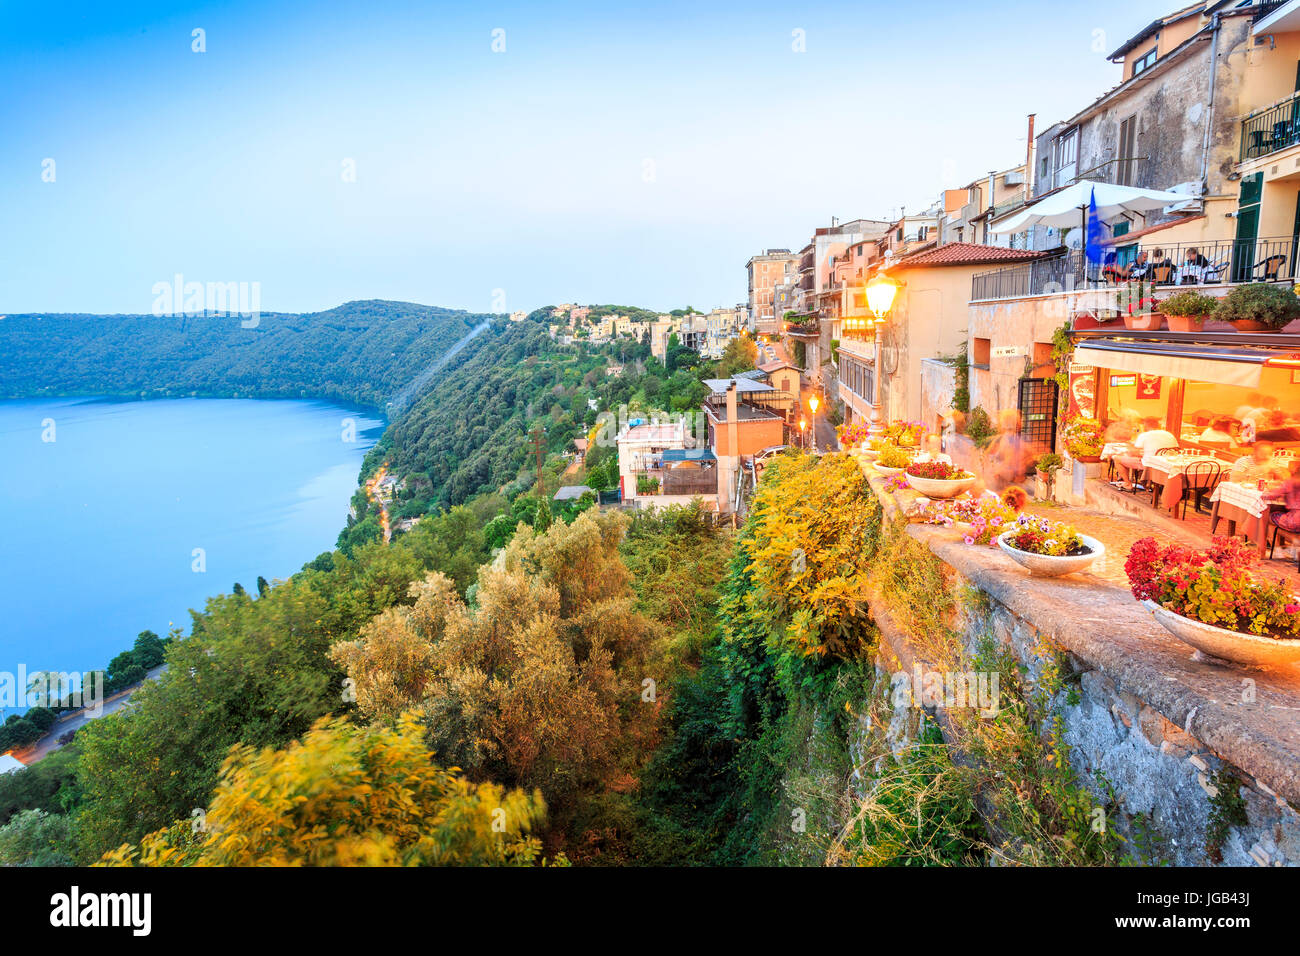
(892, 460)
(1213, 600)
(1084, 438)
(1049, 548)
(1187, 311)
(937, 479)
(873, 448)
(1259, 307)
(1140, 313)
(1047, 465)
(851, 436)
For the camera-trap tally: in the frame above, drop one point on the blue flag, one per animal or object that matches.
(1093, 236)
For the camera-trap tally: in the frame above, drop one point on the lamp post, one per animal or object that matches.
(802, 424)
(880, 293)
(812, 404)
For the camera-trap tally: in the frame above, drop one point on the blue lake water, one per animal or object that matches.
(100, 525)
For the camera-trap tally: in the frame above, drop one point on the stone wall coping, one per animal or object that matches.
(1104, 627)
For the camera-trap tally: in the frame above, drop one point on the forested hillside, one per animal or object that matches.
(469, 433)
(504, 636)
(363, 352)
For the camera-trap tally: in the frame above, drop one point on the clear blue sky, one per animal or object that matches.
(524, 170)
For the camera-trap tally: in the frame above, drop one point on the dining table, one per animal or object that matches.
(1168, 472)
(1243, 506)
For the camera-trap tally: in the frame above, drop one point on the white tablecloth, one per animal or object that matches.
(1112, 448)
(1172, 464)
(1246, 497)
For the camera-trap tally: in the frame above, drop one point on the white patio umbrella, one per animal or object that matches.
(1069, 207)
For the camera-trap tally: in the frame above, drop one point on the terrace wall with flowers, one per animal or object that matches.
(1141, 752)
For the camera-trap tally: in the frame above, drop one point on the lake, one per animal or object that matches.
(101, 524)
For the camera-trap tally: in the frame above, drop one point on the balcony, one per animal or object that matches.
(678, 481)
(1271, 130)
(1227, 262)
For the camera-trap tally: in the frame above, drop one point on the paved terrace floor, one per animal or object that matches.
(1094, 616)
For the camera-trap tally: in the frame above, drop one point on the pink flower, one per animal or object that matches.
(969, 540)
(1292, 608)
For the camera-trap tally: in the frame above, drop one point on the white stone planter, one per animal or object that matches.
(1050, 565)
(871, 454)
(888, 471)
(940, 488)
(1222, 643)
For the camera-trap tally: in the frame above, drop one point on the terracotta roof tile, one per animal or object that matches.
(965, 254)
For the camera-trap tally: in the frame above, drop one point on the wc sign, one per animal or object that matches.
(1009, 351)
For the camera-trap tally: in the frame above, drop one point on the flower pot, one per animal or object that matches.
(1149, 322)
(1185, 323)
(1228, 645)
(938, 487)
(1087, 459)
(1050, 565)
(888, 471)
(871, 454)
(1250, 325)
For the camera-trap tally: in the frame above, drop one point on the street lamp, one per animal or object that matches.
(813, 402)
(802, 424)
(880, 293)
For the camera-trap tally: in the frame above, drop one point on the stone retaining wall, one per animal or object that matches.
(1161, 727)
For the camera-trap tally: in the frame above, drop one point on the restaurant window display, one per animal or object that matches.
(1230, 451)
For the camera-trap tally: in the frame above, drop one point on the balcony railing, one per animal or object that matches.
(1227, 262)
(1040, 277)
(1272, 129)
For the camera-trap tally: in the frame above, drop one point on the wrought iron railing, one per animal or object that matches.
(1272, 129)
(1040, 277)
(1228, 261)
(1199, 263)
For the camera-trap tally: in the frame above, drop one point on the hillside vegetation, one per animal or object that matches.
(361, 352)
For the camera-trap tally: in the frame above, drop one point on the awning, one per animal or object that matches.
(688, 454)
(1197, 365)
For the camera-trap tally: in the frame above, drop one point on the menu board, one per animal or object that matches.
(1083, 390)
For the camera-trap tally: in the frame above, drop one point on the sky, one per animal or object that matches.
(634, 154)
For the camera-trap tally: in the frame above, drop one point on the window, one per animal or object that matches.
(1067, 151)
(1126, 160)
(1145, 61)
(981, 350)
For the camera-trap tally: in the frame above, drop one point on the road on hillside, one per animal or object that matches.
(50, 742)
(826, 439)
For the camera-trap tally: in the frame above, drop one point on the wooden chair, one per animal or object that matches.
(1163, 274)
(1198, 481)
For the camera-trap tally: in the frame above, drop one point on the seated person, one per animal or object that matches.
(1259, 464)
(1219, 432)
(1149, 442)
(1195, 259)
(1140, 268)
(1289, 494)
(1274, 427)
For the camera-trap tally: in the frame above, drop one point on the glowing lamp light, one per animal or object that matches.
(813, 403)
(880, 295)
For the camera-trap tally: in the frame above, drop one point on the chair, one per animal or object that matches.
(1274, 531)
(1260, 143)
(1169, 451)
(1272, 266)
(1199, 480)
(1162, 274)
